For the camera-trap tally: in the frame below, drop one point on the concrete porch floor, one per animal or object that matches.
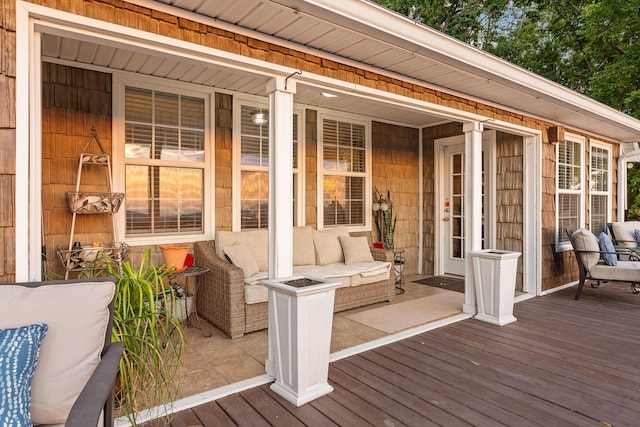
(212, 362)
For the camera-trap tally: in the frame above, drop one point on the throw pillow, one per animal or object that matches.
(606, 246)
(356, 249)
(637, 234)
(19, 350)
(327, 244)
(242, 257)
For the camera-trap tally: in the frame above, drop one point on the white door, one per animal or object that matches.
(452, 229)
(450, 202)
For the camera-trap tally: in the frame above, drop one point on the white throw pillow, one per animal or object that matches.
(356, 249)
(624, 233)
(328, 247)
(242, 257)
(585, 240)
(304, 252)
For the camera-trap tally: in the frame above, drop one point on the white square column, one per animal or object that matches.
(472, 207)
(280, 91)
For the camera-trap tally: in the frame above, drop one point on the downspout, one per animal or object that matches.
(420, 202)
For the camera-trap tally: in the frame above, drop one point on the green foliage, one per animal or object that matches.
(153, 337)
(384, 218)
(633, 193)
(472, 21)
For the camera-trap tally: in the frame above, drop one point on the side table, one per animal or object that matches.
(398, 270)
(191, 272)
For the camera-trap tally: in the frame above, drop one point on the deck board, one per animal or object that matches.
(564, 362)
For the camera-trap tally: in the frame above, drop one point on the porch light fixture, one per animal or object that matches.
(259, 118)
(328, 95)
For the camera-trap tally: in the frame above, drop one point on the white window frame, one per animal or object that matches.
(298, 169)
(325, 115)
(120, 81)
(566, 245)
(608, 193)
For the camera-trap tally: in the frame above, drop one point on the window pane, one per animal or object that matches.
(138, 141)
(343, 152)
(598, 214)
(343, 200)
(254, 135)
(166, 143)
(569, 165)
(191, 112)
(166, 110)
(599, 169)
(168, 127)
(254, 155)
(330, 157)
(295, 140)
(138, 105)
(568, 215)
(163, 199)
(192, 145)
(254, 194)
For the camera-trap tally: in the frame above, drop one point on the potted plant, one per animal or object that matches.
(383, 217)
(153, 337)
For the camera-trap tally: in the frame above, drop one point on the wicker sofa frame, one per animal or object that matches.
(221, 293)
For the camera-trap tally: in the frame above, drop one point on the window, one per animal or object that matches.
(569, 189)
(164, 161)
(599, 187)
(343, 172)
(254, 166)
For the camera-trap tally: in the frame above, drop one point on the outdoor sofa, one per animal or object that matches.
(598, 261)
(64, 328)
(231, 296)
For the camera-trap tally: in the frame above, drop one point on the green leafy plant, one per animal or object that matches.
(633, 193)
(152, 335)
(385, 220)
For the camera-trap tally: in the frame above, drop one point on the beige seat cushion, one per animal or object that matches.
(255, 293)
(626, 271)
(304, 252)
(624, 233)
(327, 244)
(242, 257)
(77, 315)
(355, 249)
(256, 240)
(585, 240)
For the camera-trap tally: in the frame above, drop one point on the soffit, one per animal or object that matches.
(82, 52)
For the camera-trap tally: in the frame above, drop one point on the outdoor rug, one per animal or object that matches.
(397, 317)
(443, 282)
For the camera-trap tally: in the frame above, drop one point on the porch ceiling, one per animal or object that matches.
(56, 47)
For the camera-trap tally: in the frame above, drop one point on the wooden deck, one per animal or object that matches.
(563, 363)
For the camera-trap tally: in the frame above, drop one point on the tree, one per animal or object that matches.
(471, 21)
(611, 29)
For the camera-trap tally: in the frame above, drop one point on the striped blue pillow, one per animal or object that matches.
(19, 350)
(606, 245)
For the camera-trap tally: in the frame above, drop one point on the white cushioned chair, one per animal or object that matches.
(592, 267)
(77, 365)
